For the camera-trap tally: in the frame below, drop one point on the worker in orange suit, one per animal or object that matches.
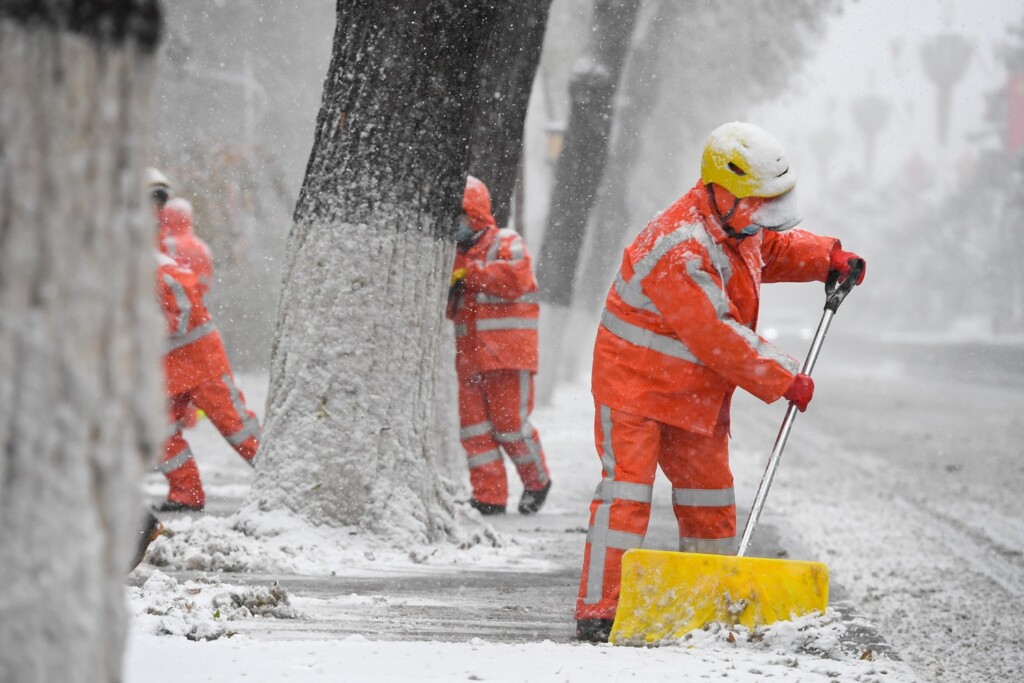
(198, 373)
(493, 303)
(676, 337)
(178, 239)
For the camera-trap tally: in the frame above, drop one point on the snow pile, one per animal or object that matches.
(816, 635)
(199, 609)
(279, 542)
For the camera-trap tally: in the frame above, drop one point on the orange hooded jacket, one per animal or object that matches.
(677, 333)
(496, 314)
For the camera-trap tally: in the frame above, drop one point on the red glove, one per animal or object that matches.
(800, 391)
(843, 260)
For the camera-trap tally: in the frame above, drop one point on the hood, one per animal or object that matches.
(176, 218)
(476, 202)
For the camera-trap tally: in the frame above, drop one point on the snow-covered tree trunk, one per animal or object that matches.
(80, 334)
(350, 434)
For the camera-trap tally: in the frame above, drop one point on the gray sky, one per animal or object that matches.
(874, 47)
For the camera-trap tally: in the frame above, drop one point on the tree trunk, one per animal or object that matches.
(641, 86)
(580, 167)
(81, 406)
(350, 435)
(506, 78)
(581, 164)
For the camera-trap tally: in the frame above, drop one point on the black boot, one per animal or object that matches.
(175, 506)
(532, 501)
(486, 508)
(593, 630)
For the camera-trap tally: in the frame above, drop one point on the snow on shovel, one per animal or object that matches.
(668, 594)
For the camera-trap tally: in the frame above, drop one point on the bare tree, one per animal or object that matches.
(592, 88)
(351, 434)
(80, 334)
(506, 77)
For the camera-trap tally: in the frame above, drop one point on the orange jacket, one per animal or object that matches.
(677, 333)
(496, 314)
(179, 241)
(195, 351)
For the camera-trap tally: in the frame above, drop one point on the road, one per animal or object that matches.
(905, 477)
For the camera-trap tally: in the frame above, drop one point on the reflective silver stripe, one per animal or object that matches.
(762, 348)
(645, 338)
(492, 251)
(712, 291)
(601, 538)
(478, 429)
(171, 246)
(173, 429)
(249, 429)
(608, 455)
(526, 435)
(529, 434)
(704, 498)
(177, 341)
(631, 293)
(168, 466)
(708, 546)
(483, 458)
(491, 324)
(508, 437)
(250, 426)
(461, 330)
(716, 296)
(629, 290)
(516, 249)
(528, 298)
(610, 489)
(184, 305)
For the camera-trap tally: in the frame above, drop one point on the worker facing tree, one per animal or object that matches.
(197, 374)
(493, 303)
(677, 336)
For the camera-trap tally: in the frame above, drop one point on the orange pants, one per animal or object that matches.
(224, 405)
(494, 410)
(630, 448)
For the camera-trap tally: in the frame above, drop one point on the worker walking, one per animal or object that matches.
(493, 303)
(676, 337)
(176, 238)
(198, 373)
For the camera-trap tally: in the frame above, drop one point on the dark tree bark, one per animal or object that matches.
(81, 406)
(506, 78)
(351, 435)
(581, 164)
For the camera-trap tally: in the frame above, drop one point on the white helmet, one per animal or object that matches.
(157, 186)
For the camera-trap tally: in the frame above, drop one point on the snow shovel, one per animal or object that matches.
(666, 594)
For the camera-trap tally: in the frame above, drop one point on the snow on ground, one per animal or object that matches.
(191, 626)
(355, 658)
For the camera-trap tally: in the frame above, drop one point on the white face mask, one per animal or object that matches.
(779, 213)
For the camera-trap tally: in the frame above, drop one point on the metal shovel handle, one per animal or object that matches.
(835, 292)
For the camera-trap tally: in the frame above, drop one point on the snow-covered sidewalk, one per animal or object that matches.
(293, 603)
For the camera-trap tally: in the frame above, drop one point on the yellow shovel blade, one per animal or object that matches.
(668, 594)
